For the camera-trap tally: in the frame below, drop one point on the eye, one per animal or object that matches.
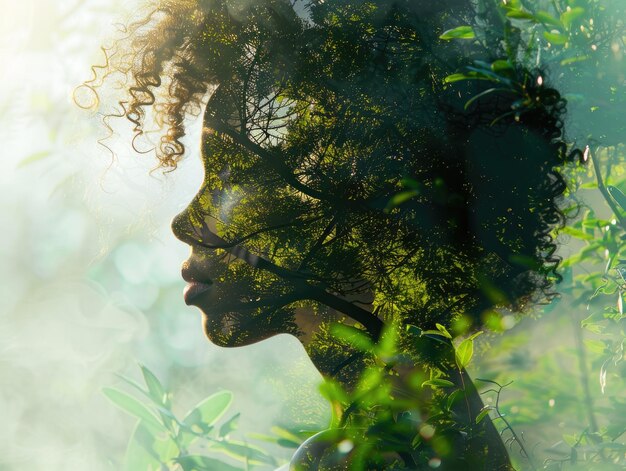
(224, 175)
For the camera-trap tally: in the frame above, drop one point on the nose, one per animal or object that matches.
(182, 228)
(187, 225)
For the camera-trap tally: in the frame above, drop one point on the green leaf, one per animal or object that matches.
(370, 379)
(456, 78)
(356, 337)
(413, 329)
(333, 391)
(555, 38)
(202, 417)
(157, 393)
(460, 32)
(595, 346)
(401, 197)
(482, 94)
(453, 397)
(572, 60)
(203, 463)
(464, 352)
(147, 451)
(489, 74)
(282, 438)
(483, 413)
(31, 159)
(443, 330)
(287, 443)
(209, 410)
(163, 411)
(593, 323)
(465, 76)
(501, 65)
(568, 16)
(436, 336)
(134, 384)
(230, 425)
(577, 233)
(520, 15)
(244, 452)
(411, 184)
(278, 441)
(286, 438)
(133, 406)
(589, 186)
(475, 334)
(438, 383)
(387, 344)
(617, 195)
(546, 18)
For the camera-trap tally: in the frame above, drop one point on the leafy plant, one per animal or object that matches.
(399, 415)
(161, 440)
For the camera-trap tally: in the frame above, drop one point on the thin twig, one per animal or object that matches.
(514, 436)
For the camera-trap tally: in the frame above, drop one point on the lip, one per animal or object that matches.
(197, 281)
(193, 290)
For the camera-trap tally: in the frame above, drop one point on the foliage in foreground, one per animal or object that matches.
(200, 441)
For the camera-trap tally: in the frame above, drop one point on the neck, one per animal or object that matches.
(346, 366)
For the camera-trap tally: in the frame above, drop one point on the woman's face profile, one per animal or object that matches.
(343, 179)
(253, 242)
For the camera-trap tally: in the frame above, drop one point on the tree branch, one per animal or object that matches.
(274, 161)
(304, 289)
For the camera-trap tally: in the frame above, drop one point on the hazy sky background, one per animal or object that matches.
(90, 273)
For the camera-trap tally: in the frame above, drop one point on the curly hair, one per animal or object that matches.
(352, 93)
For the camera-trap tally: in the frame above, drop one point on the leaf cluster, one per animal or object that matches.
(162, 439)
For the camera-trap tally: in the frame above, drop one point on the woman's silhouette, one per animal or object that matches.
(344, 179)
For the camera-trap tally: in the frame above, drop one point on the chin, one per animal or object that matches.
(217, 332)
(221, 333)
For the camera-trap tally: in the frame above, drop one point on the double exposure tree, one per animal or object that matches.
(366, 176)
